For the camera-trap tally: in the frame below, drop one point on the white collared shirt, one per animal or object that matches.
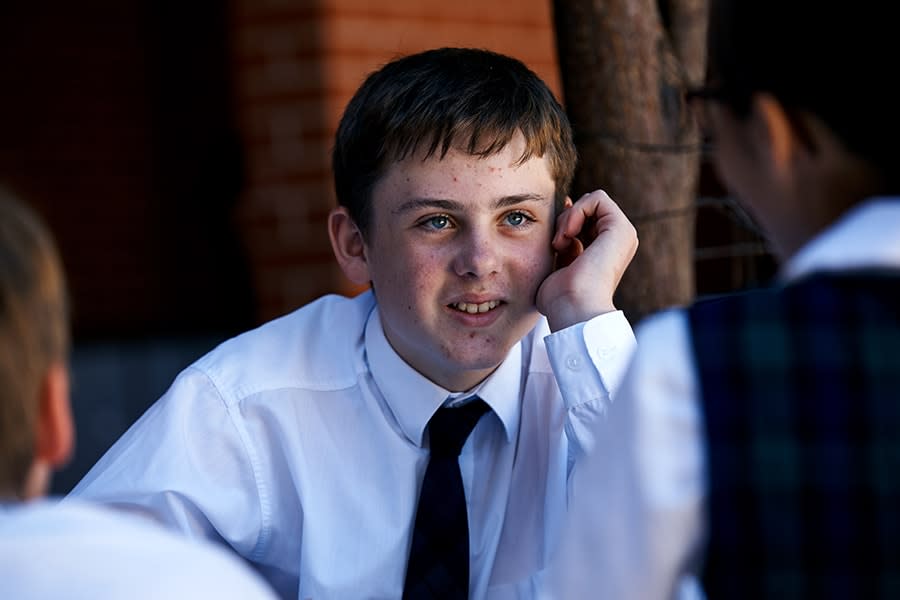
(639, 511)
(81, 552)
(301, 444)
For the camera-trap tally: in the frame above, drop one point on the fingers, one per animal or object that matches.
(594, 244)
(585, 219)
(566, 256)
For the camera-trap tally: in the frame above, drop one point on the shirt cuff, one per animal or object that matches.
(589, 359)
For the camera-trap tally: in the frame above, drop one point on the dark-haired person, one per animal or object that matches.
(72, 550)
(754, 446)
(308, 445)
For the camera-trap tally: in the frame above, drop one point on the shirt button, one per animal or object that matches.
(573, 363)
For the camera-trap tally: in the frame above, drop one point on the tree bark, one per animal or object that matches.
(625, 65)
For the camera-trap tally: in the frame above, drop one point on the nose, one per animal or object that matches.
(477, 254)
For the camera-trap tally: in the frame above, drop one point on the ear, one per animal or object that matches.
(55, 435)
(348, 246)
(780, 141)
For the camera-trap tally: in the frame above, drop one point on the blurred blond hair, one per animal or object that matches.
(34, 332)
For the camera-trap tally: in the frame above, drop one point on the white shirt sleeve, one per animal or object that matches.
(635, 521)
(589, 361)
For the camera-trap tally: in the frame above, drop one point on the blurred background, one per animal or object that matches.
(179, 151)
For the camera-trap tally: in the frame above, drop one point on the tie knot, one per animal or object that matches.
(450, 427)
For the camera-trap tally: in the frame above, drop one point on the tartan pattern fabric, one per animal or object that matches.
(438, 565)
(800, 391)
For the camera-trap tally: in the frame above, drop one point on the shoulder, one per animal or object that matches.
(756, 321)
(657, 410)
(733, 305)
(663, 359)
(95, 552)
(664, 326)
(317, 347)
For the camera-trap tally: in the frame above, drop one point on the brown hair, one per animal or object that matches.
(473, 99)
(34, 332)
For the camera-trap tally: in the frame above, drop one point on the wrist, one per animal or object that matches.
(562, 314)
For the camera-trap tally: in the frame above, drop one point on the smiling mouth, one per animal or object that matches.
(472, 308)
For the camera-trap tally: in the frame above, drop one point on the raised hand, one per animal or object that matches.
(595, 243)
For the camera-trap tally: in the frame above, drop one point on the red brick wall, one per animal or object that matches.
(296, 65)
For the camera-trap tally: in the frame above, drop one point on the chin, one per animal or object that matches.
(482, 361)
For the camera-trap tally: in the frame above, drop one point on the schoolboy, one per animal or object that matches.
(304, 444)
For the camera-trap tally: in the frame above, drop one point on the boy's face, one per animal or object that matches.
(740, 155)
(456, 250)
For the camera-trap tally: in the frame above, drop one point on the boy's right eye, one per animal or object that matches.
(436, 222)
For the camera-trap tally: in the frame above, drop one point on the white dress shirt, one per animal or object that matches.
(75, 551)
(637, 524)
(301, 444)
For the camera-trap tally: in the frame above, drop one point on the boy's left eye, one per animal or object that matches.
(517, 219)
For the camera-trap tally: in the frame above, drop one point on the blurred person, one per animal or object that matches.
(71, 549)
(753, 446)
(411, 441)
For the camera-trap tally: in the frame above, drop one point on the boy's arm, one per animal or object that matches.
(589, 362)
(593, 342)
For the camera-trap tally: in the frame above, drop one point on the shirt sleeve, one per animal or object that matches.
(185, 463)
(589, 362)
(635, 522)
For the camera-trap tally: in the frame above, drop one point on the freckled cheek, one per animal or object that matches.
(529, 275)
(418, 281)
(538, 263)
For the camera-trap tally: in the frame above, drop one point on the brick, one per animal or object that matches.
(280, 76)
(317, 115)
(286, 38)
(285, 288)
(346, 69)
(404, 34)
(475, 10)
(266, 11)
(273, 162)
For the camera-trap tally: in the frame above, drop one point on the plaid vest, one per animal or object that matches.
(800, 390)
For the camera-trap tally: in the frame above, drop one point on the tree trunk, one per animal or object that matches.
(625, 65)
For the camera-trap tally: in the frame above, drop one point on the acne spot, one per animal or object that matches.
(472, 335)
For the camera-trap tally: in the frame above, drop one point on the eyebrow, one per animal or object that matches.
(451, 205)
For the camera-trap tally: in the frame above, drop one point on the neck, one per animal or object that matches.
(821, 196)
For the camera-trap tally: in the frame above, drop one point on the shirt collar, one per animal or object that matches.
(864, 237)
(413, 398)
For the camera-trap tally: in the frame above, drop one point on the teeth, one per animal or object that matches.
(476, 308)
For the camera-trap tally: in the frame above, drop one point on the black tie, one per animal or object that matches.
(438, 564)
